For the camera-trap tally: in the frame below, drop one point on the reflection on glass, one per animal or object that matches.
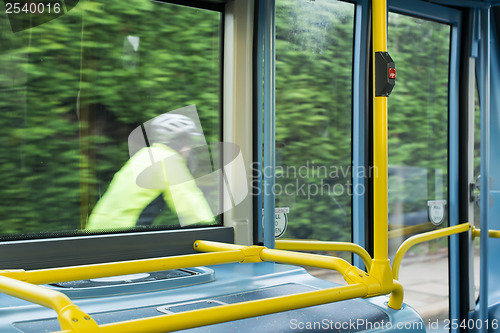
(314, 43)
(477, 171)
(418, 158)
(72, 90)
(156, 176)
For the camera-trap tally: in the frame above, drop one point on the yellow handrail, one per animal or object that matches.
(306, 245)
(381, 267)
(396, 297)
(54, 275)
(426, 236)
(69, 315)
(22, 284)
(224, 313)
(40, 295)
(72, 319)
(352, 274)
(491, 233)
(260, 253)
(380, 154)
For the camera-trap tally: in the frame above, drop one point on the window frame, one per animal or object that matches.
(264, 115)
(58, 250)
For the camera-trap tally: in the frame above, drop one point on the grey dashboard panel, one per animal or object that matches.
(82, 250)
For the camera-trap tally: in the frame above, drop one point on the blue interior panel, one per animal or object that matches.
(233, 283)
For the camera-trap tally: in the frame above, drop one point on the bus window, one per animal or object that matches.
(418, 158)
(314, 50)
(74, 88)
(313, 110)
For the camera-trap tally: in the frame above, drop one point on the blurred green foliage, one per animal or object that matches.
(314, 50)
(418, 117)
(71, 90)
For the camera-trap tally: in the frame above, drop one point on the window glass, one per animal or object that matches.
(418, 158)
(74, 88)
(314, 51)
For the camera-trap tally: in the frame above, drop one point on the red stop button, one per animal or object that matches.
(392, 73)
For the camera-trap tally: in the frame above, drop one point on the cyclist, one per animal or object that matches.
(154, 177)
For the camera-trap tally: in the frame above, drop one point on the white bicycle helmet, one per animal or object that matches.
(168, 126)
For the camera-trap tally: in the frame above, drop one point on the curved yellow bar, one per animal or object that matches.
(305, 245)
(32, 293)
(307, 259)
(224, 313)
(426, 236)
(287, 257)
(69, 315)
(397, 295)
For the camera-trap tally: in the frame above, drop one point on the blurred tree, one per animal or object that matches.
(314, 50)
(418, 116)
(72, 89)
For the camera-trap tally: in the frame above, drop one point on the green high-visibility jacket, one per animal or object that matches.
(157, 170)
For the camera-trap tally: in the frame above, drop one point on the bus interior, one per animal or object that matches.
(249, 165)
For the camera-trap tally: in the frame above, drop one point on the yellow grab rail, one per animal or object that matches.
(260, 253)
(55, 275)
(396, 298)
(380, 155)
(491, 233)
(306, 245)
(72, 319)
(22, 284)
(426, 236)
(224, 313)
(397, 295)
(381, 267)
(352, 274)
(423, 237)
(69, 315)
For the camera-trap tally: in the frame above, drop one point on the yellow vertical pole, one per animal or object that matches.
(380, 266)
(380, 139)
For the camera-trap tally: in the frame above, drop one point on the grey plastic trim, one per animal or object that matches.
(167, 309)
(72, 251)
(200, 275)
